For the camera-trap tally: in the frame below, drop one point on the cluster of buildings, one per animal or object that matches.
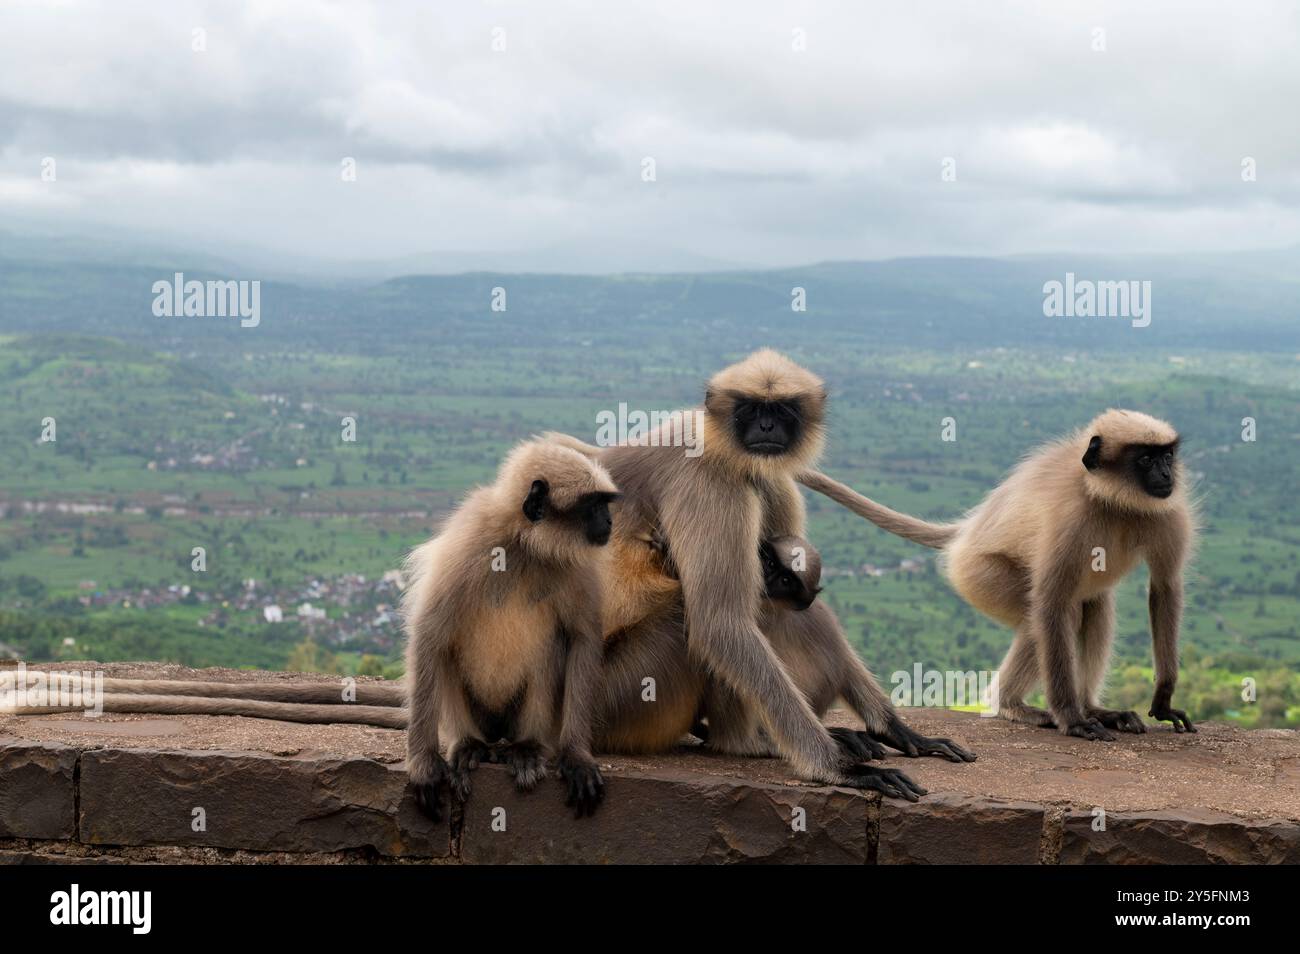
(909, 565)
(348, 610)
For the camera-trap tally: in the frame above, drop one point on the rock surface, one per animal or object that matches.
(250, 800)
(37, 789)
(126, 787)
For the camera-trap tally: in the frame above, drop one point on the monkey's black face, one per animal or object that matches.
(593, 513)
(1153, 468)
(787, 587)
(781, 583)
(590, 515)
(766, 428)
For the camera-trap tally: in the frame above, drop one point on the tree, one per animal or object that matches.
(308, 657)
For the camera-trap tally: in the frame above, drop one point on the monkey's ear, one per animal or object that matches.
(1093, 455)
(535, 502)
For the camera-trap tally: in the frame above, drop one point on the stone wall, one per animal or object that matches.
(125, 788)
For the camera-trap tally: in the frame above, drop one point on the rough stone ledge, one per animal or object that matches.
(215, 790)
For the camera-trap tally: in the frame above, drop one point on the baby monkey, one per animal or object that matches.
(820, 661)
(503, 618)
(792, 568)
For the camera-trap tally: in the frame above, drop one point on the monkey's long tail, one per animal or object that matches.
(368, 703)
(934, 535)
(390, 717)
(324, 693)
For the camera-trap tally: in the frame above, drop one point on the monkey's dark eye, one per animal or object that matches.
(1144, 461)
(787, 579)
(1169, 457)
(783, 412)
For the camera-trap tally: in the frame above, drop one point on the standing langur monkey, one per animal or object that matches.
(1043, 553)
(762, 426)
(502, 612)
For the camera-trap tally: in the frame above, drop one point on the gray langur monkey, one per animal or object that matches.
(1043, 553)
(762, 426)
(502, 612)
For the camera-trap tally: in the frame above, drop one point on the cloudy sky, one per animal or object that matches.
(781, 133)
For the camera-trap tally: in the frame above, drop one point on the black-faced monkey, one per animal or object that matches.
(502, 612)
(1044, 551)
(792, 571)
(762, 425)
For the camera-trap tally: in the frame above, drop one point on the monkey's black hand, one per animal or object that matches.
(887, 781)
(469, 755)
(1119, 719)
(700, 730)
(913, 744)
(527, 764)
(431, 786)
(858, 745)
(1177, 716)
(585, 785)
(1090, 729)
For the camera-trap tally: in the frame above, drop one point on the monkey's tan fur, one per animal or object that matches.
(523, 639)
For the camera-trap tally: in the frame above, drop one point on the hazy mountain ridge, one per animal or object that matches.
(923, 302)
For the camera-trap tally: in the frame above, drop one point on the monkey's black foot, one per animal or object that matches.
(859, 746)
(1121, 720)
(431, 786)
(584, 783)
(887, 781)
(527, 764)
(468, 755)
(1090, 729)
(914, 745)
(1177, 716)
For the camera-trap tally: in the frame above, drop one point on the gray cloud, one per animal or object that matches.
(764, 155)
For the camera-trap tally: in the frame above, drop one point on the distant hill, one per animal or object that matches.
(921, 302)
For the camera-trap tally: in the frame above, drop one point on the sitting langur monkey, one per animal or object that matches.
(502, 613)
(1043, 553)
(762, 426)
